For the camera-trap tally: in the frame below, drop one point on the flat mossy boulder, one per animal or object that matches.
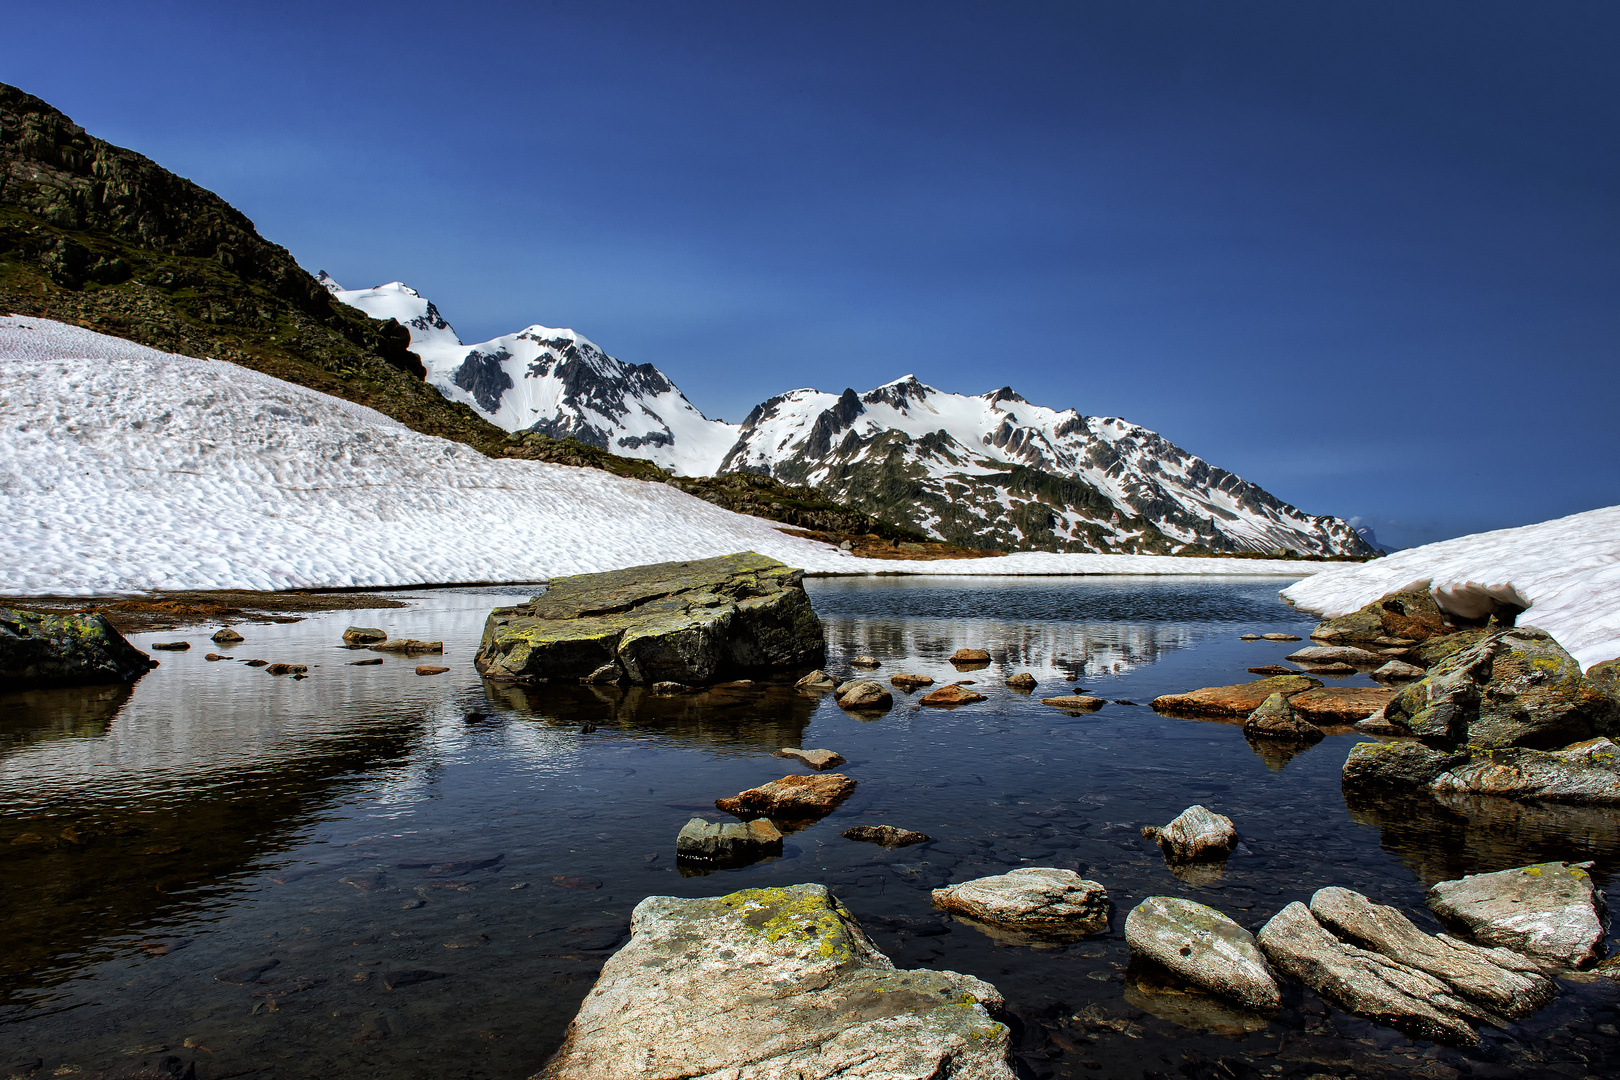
(64, 650)
(688, 622)
(778, 982)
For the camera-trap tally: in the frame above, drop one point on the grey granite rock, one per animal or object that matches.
(1197, 833)
(1204, 947)
(1038, 899)
(774, 984)
(1549, 911)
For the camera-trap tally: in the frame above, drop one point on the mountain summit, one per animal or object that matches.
(986, 471)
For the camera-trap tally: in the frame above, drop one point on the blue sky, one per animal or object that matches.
(1366, 255)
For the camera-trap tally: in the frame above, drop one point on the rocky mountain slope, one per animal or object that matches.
(991, 471)
(555, 382)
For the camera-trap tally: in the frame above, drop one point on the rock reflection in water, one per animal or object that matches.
(1446, 838)
(30, 716)
(1152, 989)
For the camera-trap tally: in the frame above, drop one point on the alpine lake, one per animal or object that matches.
(219, 872)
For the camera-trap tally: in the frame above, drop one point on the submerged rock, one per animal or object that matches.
(65, 650)
(693, 622)
(728, 844)
(1232, 701)
(364, 635)
(950, 696)
(1039, 899)
(815, 759)
(1204, 947)
(774, 983)
(864, 694)
(1196, 834)
(1276, 719)
(792, 797)
(887, 835)
(1368, 983)
(1549, 910)
(1499, 979)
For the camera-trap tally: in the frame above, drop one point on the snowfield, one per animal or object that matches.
(125, 469)
(1565, 571)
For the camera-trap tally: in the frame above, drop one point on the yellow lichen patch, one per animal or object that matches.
(776, 914)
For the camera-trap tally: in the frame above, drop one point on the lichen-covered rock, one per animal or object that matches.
(1499, 979)
(950, 696)
(864, 694)
(1516, 687)
(1204, 947)
(727, 844)
(1587, 772)
(65, 650)
(1232, 701)
(774, 984)
(1368, 983)
(1196, 834)
(791, 798)
(1411, 614)
(689, 622)
(1396, 767)
(1276, 719)
(1033, 899)
(1549, 911)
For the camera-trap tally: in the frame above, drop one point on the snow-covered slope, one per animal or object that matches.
(123, 468)
(992, 467)
(553, 381)
(1566, 572)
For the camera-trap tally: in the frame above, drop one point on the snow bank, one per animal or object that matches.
(1567, 572)
(125, 469)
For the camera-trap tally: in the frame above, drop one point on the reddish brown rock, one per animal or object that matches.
(948, 697)
(430, 669)
(791, 797)
(1075, 703)
(1233, 701)
(1340, 704)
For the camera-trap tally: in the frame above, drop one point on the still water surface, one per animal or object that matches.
(369, 872)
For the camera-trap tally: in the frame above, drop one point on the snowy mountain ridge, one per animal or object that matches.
(553, 381)
(988, 471)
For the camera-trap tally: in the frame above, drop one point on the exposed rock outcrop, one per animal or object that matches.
(689, 622)
(1340, 704)
(1236, 701)
(1204, 947)
(774, 983)
(1032, 899)
(65, 650)
(1410, 615)
(1549, 911)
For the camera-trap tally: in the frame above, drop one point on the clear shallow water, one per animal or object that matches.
(366, 824)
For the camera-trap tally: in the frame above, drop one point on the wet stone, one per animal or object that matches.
(887, 835)
(815, 759)
(226, 636)
(949, 697)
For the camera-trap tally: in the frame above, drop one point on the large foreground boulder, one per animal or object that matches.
(687, 622)
(1204, 947)
(65, 650)
(774, 983)
(1549, 911)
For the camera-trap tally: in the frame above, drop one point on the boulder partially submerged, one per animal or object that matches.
(65, 650)
(1204, 947)
(774, 983)
(1197, 834)
(689, 622)
(727, 844)
(791, 798)
(1042, 900)
(1235, 702)
(1550, 911)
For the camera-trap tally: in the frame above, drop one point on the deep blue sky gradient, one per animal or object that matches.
(1365, 254)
